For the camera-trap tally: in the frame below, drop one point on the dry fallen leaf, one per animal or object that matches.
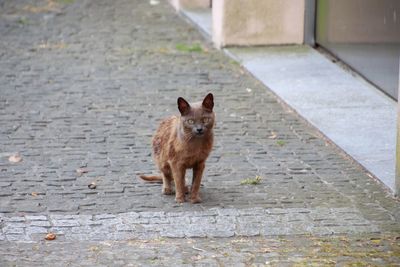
(34, 194)
(197, 258)
(94, 248)
(273, 135)
(15, 158)
(50, 236)
(51, 6)
(370, 175)
(81, 171)
(92, 185)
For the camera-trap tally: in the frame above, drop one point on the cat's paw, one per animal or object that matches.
(180, 199)
(195, 200)
(167, 191)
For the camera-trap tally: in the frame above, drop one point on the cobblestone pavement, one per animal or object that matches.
(83, 87)
(287, 251)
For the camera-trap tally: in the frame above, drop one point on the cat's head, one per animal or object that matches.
(197, 119)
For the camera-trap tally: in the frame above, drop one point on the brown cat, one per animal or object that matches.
(184, 142)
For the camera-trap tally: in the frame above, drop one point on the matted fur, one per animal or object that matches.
(184, 142)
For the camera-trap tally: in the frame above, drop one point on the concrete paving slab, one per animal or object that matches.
(352, 113)
(201, 17)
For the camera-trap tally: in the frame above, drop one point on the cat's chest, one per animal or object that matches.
(195, 153)
(192, 159)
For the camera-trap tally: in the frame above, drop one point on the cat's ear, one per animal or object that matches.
(208, 102)
(183, 106)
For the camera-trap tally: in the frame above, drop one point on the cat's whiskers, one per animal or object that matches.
(188, 137)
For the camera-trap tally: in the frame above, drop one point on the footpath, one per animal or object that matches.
(83, 87)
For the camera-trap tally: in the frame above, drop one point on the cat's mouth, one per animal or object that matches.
(199, 134)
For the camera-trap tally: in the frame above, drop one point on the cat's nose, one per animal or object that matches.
(199, 130)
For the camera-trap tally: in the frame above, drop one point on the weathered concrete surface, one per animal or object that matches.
(84, 85)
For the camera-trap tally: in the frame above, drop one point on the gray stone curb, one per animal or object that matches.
(215, 222)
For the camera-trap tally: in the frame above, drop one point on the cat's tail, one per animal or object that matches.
(152, 178)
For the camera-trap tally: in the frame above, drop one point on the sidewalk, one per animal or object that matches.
(84, 85)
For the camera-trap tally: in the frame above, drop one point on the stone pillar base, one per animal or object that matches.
(255, 22)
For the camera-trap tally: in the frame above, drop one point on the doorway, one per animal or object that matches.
(365, 34)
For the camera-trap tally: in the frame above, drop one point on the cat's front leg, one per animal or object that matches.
(198, 170)
(178, 173)
(167, 188)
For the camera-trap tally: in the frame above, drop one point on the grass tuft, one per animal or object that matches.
(251, 181)
(280, 142)
(23, 21)
(66, 2)
(189, 48)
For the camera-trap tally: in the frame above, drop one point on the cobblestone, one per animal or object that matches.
(84, 84)
(249, 222)
(359, 250)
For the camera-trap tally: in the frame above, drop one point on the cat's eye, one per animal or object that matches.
(190, 121)
(205, 120)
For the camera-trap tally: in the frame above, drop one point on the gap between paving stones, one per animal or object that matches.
(215, 222)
